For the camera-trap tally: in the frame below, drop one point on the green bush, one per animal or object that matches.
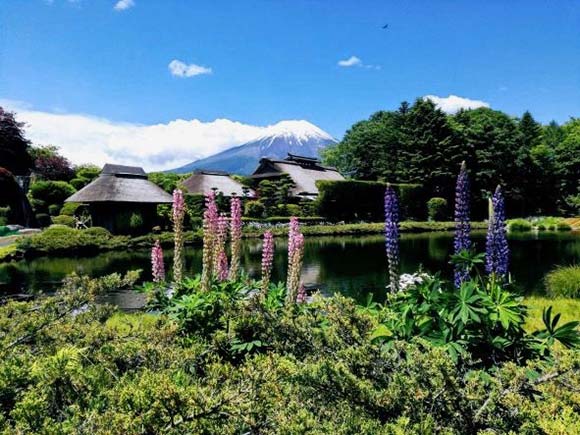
(70, 208)
(564, 282)
(43, 220)
(65, 220)
(350, 200)
(519, 225)
(437, 209)
(54, 209)
(136, 222)
(51, 192)
(4, 215)
(79, 183)
(293, 210)
(563, 226)
(254, 209)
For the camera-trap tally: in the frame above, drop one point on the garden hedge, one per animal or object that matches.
(349, 200)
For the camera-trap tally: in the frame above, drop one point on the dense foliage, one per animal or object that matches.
(219, 362)
(539, 165)
(14, 147)
(564, 282)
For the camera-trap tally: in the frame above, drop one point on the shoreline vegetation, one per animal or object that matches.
(62, 240)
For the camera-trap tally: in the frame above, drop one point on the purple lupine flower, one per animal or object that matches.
(462, 241)
(392, 236)
(267, 260)
(157, 265)
(178, 215)
(496, 246)
(236, 236)
(222, 270)
(301, 295)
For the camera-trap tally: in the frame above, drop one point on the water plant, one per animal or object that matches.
(157, 264)
(236, 236)
(178, 213)
(267, 260)
(392, 236)
(496, 246)
(461, 241)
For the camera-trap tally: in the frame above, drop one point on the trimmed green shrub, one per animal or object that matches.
(65, 220)
(136, 222)
(4, 215)
(43, 220)
(254, 209)
(563, 226)
(79, 183)
(293, 210)
(51, 192)
(564, 282)
(437, 209)
(519, 225)
(70, 208)
(54, 209)
(349, 200)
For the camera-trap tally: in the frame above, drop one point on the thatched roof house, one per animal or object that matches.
(204, 181)
(304, 172)
(120, 197)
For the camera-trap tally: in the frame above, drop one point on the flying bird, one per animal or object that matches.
(385, 26)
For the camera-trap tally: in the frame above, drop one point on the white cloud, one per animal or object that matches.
(453, 103)
(351, 61)
(122, 5)
(356, 62)
(181, 69)
(89, 139)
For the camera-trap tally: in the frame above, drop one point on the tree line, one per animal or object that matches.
(538, 165)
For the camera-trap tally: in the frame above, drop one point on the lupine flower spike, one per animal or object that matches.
(177, 216)
(301, 296)
(496, 246)
(210, 223)
(267, 261)
(220, 261)
(295, 256)
(392, 236)
(236, 236)
(157, 265)
(462, 240)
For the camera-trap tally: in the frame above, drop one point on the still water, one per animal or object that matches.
(352, 265)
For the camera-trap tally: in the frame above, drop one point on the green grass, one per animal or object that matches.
(6, 252)
(569, 308)
(564, 281)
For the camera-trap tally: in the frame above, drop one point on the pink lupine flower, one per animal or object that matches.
(178, 215)
(222, 270)
(210, 223)
(267, 260)
(301, 296)
(295, 255)
(157, 265)
(236, 236)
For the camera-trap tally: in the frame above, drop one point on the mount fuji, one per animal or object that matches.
(295, 137)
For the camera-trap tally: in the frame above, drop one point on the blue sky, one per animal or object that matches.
(276, 60)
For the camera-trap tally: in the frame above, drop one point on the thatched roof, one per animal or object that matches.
(118, 183)
(202, 182)
(304, 172)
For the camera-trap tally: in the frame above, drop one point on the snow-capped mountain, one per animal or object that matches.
(295, 137)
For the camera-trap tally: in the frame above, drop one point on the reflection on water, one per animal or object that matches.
(352, 265)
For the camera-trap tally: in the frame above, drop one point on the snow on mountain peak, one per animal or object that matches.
(300, 130)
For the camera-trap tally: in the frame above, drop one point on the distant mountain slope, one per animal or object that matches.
(296, 137)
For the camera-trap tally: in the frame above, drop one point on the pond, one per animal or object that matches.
(352, 265)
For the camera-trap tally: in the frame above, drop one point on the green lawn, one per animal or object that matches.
(569, 308)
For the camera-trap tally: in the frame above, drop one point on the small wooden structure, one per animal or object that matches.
(304, 172)
(119, 194)
(204, 181)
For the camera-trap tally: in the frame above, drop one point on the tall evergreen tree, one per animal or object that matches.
(14, 147)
